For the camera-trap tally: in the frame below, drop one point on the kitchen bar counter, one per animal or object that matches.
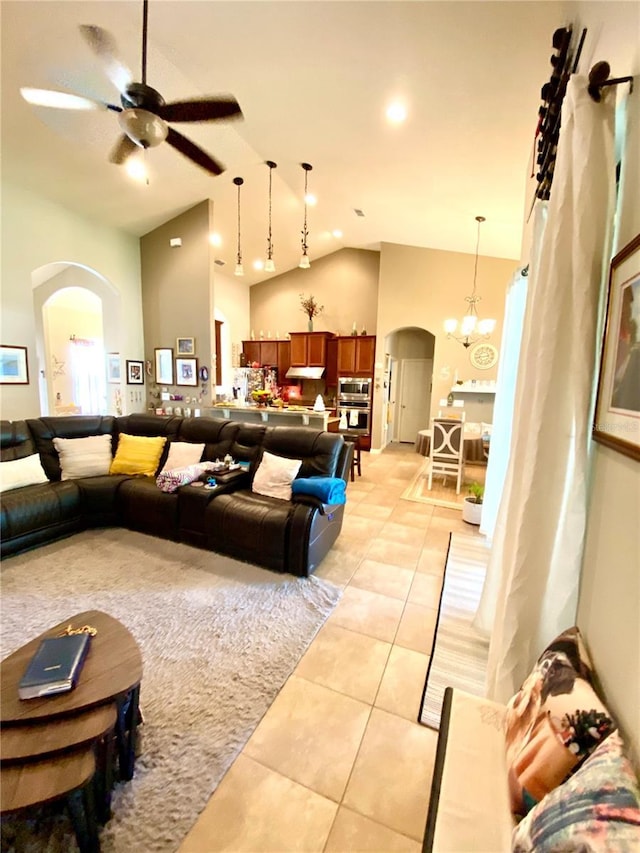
(275, 416)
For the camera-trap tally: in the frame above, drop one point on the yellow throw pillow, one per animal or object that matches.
(137, 454)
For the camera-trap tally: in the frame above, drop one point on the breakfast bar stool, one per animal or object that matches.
(354, 438)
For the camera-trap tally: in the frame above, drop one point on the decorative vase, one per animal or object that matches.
(310, 324)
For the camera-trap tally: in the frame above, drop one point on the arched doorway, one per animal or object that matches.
(77, 321)
(408, 380)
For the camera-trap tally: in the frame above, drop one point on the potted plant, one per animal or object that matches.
(472, 505)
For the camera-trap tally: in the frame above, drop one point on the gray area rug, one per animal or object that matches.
(218, 638)
(459, 656)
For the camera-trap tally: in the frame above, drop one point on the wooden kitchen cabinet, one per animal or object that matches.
(356, 355)
(284, 360)
(264, 352)
(309, 349)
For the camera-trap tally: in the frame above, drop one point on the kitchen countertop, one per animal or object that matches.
(303, 415)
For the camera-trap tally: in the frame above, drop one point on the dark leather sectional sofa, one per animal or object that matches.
(290, 536)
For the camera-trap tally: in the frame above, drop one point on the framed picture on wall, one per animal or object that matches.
(185, 346)
(113, 367)
(617, 419)
(186, 371)
(14, 368)
(135, 372)
(164, 366)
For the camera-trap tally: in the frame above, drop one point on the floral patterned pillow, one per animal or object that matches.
(554, 722)
(598, 808)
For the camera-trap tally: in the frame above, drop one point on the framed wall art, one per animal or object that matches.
(164, 366)
(113, 367)
(135, 372)
(185, 346)
(617, 418)
(14, 367)
(186, 371)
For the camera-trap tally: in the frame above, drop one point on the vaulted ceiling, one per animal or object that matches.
(313, 80)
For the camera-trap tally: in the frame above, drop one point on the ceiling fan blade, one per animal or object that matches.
(103, 44)
(122, 150)
(62, 100)
(202, 109)
(193, 152)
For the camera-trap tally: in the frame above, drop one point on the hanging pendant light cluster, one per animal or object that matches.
(269, 265)
(305, 263)
(472, 328)
(239, 268)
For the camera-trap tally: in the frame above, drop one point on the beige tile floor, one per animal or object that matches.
(338, 762)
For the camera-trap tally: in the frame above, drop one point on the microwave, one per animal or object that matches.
(359, 387)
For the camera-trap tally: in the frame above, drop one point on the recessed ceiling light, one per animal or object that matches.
(310, 199)
(396, 112)
(258, 265)
(215, 239)
(337, 233)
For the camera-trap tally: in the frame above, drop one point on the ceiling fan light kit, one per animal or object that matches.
(144, 114)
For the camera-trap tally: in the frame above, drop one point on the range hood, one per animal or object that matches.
(304, 373)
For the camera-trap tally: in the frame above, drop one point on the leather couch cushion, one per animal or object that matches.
(319, 451)
(15, 441)
(27, 471)
(144, 507)
(249, 527)
(44, 430)
(98, 498)
(35, 508)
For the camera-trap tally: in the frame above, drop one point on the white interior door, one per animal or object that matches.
(414, 397)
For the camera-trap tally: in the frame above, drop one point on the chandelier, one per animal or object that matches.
(471, 327)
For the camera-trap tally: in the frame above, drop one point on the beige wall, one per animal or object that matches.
(231, 300)
(176, 291)
(609, 603)
(345, 282)
(36, 233)
(423, 287)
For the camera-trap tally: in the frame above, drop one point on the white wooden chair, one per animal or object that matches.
(447, 446)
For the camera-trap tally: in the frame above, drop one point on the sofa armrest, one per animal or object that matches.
(316, 503)
(469, 804)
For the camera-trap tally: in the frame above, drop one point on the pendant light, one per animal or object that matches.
(305, 263)
(269, 265)
(472, 328)
(239, 269)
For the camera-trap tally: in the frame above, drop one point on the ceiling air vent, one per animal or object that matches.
(358, 212)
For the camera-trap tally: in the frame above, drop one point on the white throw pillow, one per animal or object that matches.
(84, 457)
(182, 454)
(275, 475)
(21, 472)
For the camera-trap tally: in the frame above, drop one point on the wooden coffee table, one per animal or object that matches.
(61, 745)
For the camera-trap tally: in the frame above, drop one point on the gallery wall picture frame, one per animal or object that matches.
(617, 415)
(186, 371)
(135, 372)
(164, 365)
(113, 367)
(185, 346)
(14, 365)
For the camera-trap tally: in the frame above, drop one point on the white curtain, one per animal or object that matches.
(538, 540)
(503, 409)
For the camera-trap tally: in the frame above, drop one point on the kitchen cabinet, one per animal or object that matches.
(284, 360)
(309, 349)
(264, 352)
(355, 355)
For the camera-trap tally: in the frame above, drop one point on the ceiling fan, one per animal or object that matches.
(144, 114)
